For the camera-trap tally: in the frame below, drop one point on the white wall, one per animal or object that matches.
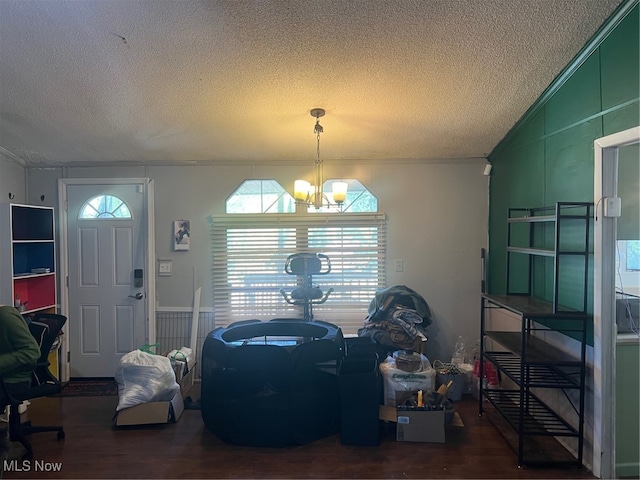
(12, 181)
(437, 223)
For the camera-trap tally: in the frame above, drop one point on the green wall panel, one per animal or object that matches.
(621, 118)
(517, 180)
(529, 133)
(577, 99)
(620, 62)
(569, 163)
(527, 172)
(499, 188)
(548, 157)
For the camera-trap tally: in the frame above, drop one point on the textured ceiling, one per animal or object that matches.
(157, 81)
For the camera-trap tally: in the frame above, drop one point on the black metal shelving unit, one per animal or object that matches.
(533, 366)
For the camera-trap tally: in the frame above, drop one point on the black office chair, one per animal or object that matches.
(45, 327)
(304, 266)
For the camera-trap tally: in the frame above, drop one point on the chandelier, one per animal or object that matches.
(307, 194)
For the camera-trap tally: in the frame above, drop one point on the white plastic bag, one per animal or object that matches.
(397, 380)
(143, 377)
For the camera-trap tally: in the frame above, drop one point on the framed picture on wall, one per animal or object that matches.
(181, 234)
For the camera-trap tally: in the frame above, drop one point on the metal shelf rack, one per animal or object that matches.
(533, 366)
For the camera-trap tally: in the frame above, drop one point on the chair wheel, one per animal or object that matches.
(60, 435)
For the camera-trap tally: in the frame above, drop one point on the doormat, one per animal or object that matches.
(89, 388)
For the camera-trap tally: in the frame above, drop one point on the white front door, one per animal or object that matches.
(107, 275)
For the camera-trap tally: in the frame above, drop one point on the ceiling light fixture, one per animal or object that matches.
(307, 194)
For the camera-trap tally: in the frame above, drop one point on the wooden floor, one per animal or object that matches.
(95, 448)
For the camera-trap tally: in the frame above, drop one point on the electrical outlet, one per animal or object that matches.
(164, 268)
(399, 265)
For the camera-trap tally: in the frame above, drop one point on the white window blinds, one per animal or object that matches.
(249, 255)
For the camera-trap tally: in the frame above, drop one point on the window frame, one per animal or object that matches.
(346, 307)
(630, 245)
(359, 199)
(101, 214)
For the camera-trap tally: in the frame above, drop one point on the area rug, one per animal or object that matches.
(89, 388)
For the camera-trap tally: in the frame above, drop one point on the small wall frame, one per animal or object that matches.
(181, 234)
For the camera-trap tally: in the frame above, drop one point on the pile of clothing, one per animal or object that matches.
(397, 317)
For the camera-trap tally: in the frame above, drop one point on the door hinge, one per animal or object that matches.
(69, 357)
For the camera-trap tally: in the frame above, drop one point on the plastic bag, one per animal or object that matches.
(460, 354)
(147, 348)
(398, 380)
(143, 377)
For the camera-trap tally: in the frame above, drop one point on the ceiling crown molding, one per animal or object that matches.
(12, 157)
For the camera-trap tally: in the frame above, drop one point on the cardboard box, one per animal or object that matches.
(418, 425)
(186, 381)
(152, 412)
(185, 376)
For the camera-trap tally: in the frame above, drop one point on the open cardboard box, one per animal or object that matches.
(152, 412)
(418, 425)
(186, 380)
(185, 374)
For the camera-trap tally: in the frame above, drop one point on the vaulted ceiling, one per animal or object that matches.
(155, 81)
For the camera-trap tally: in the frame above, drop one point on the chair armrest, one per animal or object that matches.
(6, 398)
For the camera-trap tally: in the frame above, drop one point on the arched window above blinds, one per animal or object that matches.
(268, 196)
(358, 200)
(260, 196)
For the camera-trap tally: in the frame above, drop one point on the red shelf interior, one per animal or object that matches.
(36, 292)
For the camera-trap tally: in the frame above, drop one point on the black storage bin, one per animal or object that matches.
(258, 391)
(359, 383)
(365, 347)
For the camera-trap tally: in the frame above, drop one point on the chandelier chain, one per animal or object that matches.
(309, 194)
(318, 132)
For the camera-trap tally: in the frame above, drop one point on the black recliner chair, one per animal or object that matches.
(45, 327)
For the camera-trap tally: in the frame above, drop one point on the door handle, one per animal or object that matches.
(137, 296)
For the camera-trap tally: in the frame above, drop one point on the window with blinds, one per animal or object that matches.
(249, 255)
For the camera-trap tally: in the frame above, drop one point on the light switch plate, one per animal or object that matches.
(164, 268)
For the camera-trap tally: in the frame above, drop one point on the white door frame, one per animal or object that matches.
(150, 263)
(604, 320)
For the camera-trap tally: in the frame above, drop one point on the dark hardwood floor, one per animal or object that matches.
(95, 448)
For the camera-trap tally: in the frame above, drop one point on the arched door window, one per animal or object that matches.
(106, 207)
